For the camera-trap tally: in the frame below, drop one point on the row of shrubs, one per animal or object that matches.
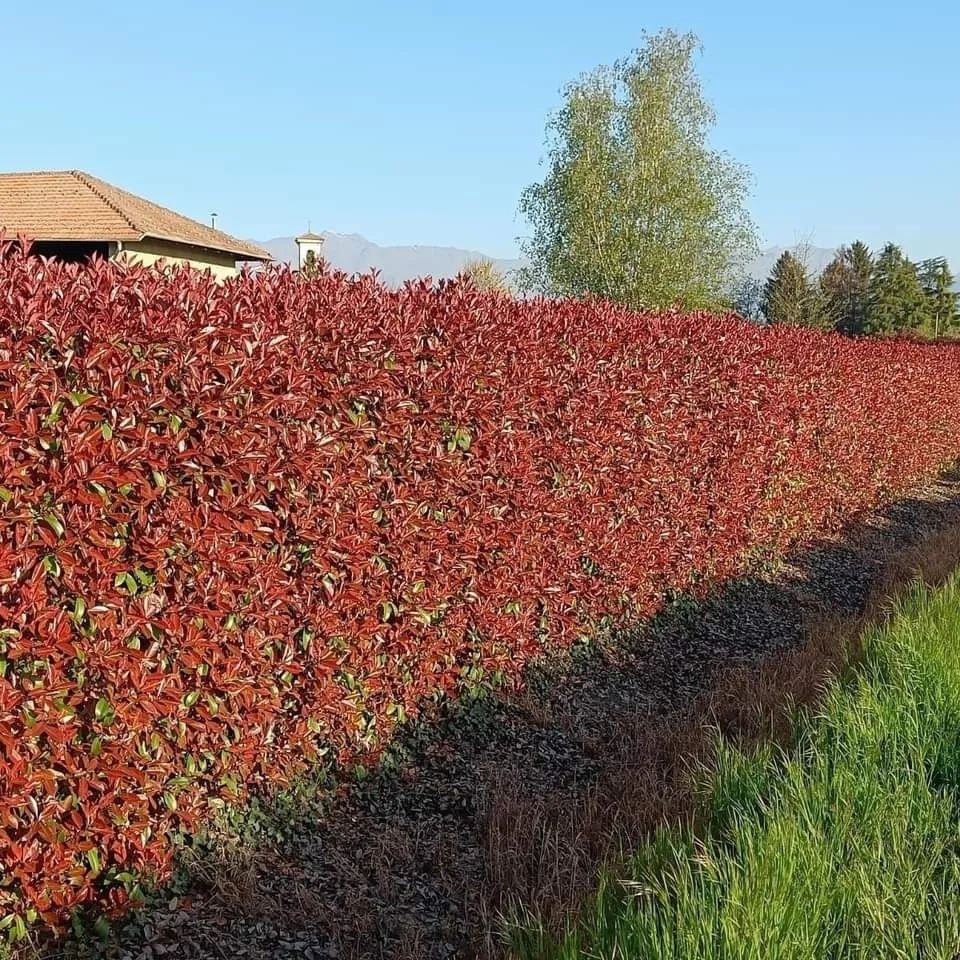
(250, 525)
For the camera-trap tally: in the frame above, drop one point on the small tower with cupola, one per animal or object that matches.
(308, 243)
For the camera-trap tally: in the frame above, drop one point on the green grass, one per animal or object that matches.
(843, 844)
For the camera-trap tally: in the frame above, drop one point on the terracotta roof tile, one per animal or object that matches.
(72, 205)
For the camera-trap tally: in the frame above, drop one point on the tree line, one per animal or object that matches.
(858, 294)
(637, 207)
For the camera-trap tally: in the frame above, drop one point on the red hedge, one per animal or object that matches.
(243, 524)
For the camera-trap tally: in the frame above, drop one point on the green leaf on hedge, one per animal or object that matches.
(104, 711)
(54, 523)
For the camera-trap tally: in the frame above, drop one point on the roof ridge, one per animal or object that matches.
(146, 230)
(85, 179)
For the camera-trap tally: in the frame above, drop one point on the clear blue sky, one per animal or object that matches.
(414, 122)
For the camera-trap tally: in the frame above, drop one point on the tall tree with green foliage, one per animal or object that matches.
(896, 300)
(844, 284)
(791, 298)
(937, 280)
(635, 206)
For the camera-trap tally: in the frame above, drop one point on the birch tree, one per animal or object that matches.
(636, 206)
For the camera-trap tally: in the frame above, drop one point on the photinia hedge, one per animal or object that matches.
(245, 525)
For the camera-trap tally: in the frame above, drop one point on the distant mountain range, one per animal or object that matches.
(814, 258)
(355, 254)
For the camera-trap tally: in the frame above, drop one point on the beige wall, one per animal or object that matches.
(149, 251)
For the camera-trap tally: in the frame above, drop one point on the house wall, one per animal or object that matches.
(150, 250)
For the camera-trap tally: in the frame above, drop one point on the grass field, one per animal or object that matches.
(845, 843)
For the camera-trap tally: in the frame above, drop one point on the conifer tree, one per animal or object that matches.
(844, 285)
(790, 298)
(896, 300)
(937, 281)
(834, 286)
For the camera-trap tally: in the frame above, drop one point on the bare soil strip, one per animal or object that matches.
(504, 800)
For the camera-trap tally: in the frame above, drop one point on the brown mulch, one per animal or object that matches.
(523, 799)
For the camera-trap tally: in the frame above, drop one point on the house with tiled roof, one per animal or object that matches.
(72, 215)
